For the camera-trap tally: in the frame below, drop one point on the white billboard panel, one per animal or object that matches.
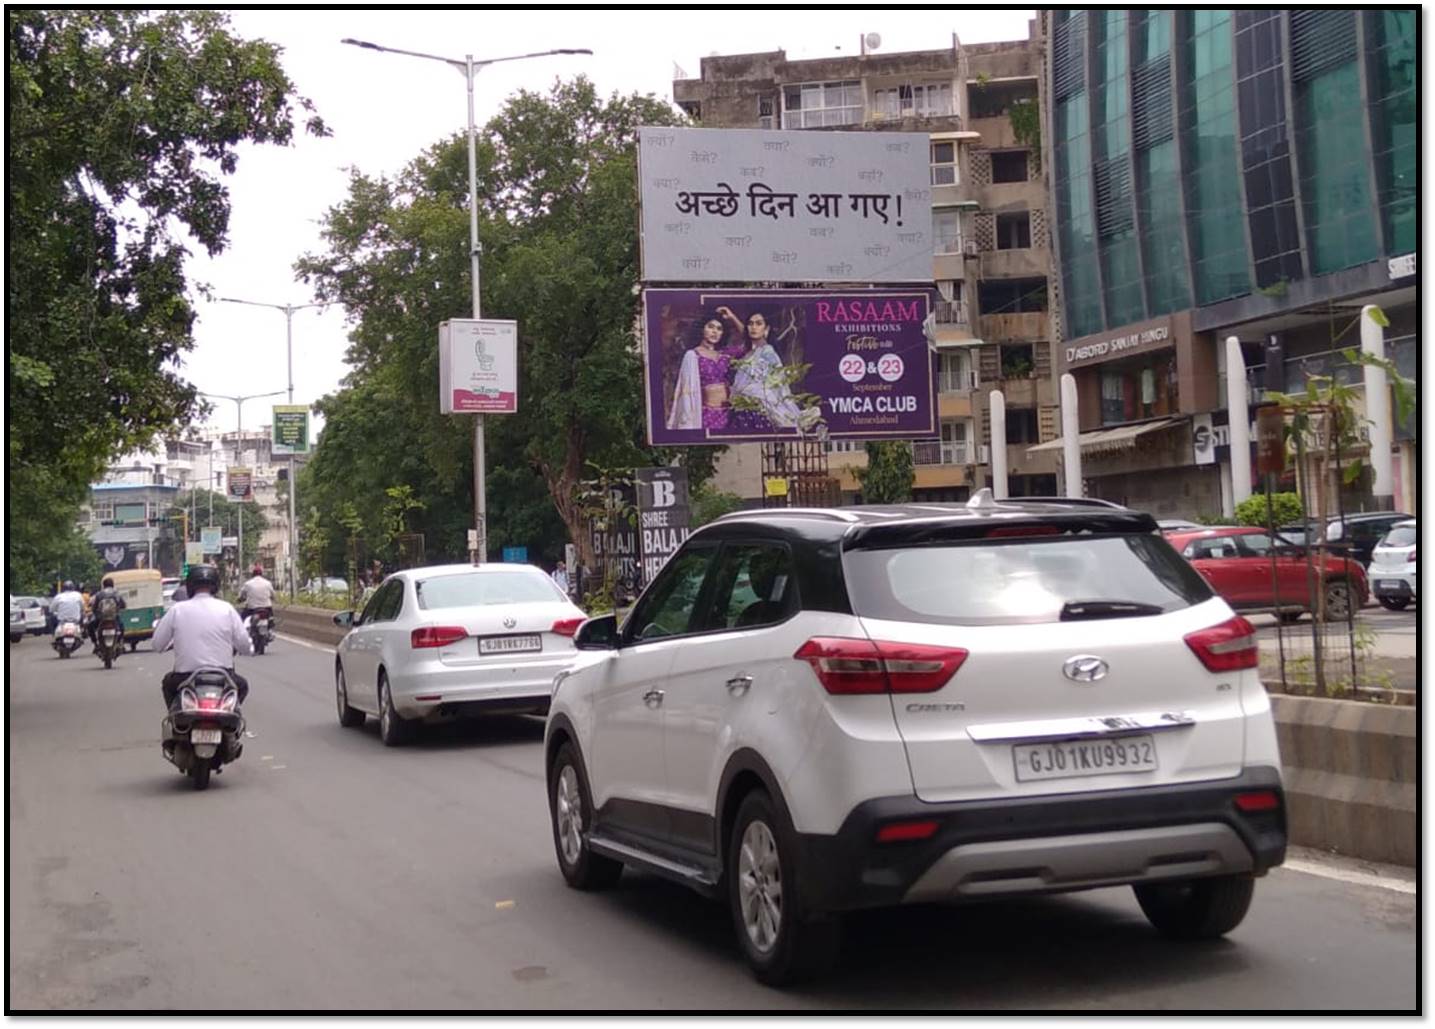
(478, 366)
(758, 205)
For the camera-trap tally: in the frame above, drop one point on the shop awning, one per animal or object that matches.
(1107, 440)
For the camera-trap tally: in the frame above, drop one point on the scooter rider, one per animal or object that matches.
(68, 605)
(100, 608)
(257, 594)
(205, 631)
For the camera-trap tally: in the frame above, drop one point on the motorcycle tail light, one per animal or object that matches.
(188, 700)
(230, 701)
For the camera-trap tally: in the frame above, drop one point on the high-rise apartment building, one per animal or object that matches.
(1217, 173)
(979, 106)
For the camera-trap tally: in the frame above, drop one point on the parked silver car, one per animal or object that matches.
(453, 641)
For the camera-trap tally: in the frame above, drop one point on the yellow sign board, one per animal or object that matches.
(775, 487)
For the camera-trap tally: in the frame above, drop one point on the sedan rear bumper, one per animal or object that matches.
(471, 691)
(1392, 584)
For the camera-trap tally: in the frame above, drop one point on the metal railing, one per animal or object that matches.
(960, 380)
(935, 452)
(951, 312)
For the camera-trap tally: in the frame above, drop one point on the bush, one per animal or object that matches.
(1252, 510)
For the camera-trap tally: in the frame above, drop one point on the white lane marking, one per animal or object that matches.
(304, 643)
(1349, 876)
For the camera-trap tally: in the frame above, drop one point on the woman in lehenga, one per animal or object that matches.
(700, 398)
(756, 377)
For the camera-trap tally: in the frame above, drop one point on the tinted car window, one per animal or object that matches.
(1211, 548)
(479, 589)
(667, 608)
(754, 587)
(393, 601)
(371, 609)
(996, 583)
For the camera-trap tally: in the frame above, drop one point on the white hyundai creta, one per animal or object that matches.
(815, 711)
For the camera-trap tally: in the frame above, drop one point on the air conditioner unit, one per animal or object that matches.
(969, 247)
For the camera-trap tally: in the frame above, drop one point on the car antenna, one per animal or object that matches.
(982, 500)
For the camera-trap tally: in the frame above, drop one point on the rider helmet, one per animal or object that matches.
(67, 586)
(206, 576)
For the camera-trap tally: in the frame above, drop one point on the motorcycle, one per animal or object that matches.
(68, 638)
(204, 729)
(109, 641)
(261, 628)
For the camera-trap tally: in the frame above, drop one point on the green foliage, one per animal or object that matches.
(1252, 510)
(1025, 121)
(1210, 519)
(889, 474)
(40, 561)
(226, 516)
(558, 225)
(707, 503)
(120, 124)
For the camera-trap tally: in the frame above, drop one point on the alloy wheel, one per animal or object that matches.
(568, 810)
(759, 886)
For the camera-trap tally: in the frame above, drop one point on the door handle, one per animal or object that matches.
(739, 684)
(653, 698)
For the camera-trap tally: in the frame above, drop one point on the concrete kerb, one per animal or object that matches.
(1350, 766)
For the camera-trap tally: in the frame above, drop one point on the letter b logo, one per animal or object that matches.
(665, 494)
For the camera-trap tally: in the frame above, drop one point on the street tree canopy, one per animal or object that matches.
(121, 124)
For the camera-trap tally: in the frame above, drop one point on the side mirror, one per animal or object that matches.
(599, 633)
(344, 619)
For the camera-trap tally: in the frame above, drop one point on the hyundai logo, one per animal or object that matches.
(1084, 668)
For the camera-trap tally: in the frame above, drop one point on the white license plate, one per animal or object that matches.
(1067, 759)
(206, 735)
(510, 644)
(1390, 584)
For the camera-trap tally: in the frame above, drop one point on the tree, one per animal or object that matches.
(121, 124)
(64, 553)
(226, 516)
(560, 254)
(1252, 510)
(888, 477)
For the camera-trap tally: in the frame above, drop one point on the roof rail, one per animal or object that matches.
(784, 512)
(1079, 501)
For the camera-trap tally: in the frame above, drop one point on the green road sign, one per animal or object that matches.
(291, 429)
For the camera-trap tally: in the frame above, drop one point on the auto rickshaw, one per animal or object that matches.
(143, 590)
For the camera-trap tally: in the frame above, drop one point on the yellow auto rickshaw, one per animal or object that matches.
(143, 590)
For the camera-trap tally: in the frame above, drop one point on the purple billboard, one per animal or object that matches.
(727, 366)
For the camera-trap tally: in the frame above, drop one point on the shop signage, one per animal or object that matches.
(1402, 266)
(1137, 340)
(663, 516)
(1270, 440)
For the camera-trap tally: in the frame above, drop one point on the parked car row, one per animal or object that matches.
(813, 712)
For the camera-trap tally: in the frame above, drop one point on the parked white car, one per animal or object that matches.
(35, 611)
(453, 641)
(17, 622)
(1392, 566)
(811, 712)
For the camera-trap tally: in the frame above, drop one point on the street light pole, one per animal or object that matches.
(469, 68)
(288, 310)
(238, 451)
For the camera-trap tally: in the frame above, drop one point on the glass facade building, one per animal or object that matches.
(1202, 155)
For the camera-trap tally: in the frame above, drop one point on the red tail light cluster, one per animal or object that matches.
(1227, 647)
(566, 626)
(1258, 800)
(848, 666)
(436, 636)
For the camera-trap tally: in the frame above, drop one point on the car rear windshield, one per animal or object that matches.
(1402, 537)
(998, 582)
(479, 588)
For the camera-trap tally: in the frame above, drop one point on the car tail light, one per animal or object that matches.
(436, 636)
(848, 666)
(901, 832)
(566, 626)
(1258, 800)
(1227, 647)
(1411, 556)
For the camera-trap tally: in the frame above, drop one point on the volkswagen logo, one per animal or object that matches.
(509, 622)
(1084, 668)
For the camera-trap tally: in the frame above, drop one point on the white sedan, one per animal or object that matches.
(452, 641)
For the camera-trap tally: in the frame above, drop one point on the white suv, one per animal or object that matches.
(810, 712)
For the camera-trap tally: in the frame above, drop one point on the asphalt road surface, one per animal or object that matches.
(326, 872)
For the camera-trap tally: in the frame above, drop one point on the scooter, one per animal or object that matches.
(109, 641)
(204, 729)
(68, 638)
(261, 628)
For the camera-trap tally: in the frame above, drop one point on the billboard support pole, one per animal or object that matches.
(999, 473)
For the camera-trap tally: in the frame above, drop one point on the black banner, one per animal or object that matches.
(664, 519)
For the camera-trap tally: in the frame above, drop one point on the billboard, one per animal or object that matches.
(478, 366)
(663, 516)
(291, 429)
(724, 366)
(750, 205)
(241, 483)
(209, 538)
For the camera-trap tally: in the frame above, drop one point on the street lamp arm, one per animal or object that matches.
(409, 53)
(522, 57)
(277, 307)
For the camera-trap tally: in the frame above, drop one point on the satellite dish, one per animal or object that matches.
(873, 41)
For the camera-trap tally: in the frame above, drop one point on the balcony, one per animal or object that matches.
(951, 312)
(935, 452)
(956, 380)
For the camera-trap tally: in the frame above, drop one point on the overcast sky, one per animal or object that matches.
(383, 109)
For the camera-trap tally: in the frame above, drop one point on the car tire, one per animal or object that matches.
(1337, 601)
(394, 729)
(1290, 617)
(1394, 603)
(570, 808)
(1198, 909)
(349, 717)
(782, 943)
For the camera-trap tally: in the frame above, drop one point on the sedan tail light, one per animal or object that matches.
(1227, 647)
(436, 636)
(566, 626)
(1411, 556)
(849, 666)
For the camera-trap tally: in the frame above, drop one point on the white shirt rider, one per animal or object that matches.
(205, 632)
(68, 607)
(256, 593)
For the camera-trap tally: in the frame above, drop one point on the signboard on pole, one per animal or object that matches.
(726, 366)
(744, 205)
(478, 366)
(515, 555)
(241, 483)
(194, 553)
(209, 538)
(291, 429)
(1270, 440)
(663, 516)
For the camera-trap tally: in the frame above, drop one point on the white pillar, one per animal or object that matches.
(1377, 410)
(1070, 430)
(1240, 420)
(999, 478)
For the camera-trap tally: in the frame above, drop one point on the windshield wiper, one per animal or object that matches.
(1074, 610)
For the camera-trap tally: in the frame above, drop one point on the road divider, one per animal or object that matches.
(309, 623)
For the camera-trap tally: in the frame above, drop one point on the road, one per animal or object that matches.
(326, 872)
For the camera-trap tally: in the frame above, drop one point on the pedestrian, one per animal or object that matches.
(560, 576)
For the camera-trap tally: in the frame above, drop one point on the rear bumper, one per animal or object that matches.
(1392, 584)
(460, 692)
(1043, 844)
